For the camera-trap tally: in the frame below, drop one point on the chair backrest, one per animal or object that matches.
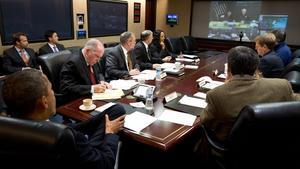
(296, 53)
(51, 64)
(102, 62)
(294, 65)
(35, 144)
(1, 64)
(266, 136)
(74, 49)
(189, 43)
(174, 45)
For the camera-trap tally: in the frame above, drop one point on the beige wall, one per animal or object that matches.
(80, 6)
(180, 7)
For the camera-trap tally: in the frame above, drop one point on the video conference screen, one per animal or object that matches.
(229, 19)
(34, 17)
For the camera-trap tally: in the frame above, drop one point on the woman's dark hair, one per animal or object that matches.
(156, 38)
(242, 61)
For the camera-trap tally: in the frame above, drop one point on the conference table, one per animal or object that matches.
(162, 135)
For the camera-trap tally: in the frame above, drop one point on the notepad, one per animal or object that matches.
(194, 102)
(177, 117)
(137, 121)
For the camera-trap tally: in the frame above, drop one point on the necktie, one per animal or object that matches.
(24, 57)
(148, 54)
(92, 75)
(55, 49)
(129, 61)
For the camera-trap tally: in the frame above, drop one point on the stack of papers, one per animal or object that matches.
(191, 101)
(168, 66)
(108, 94)
(123, 84)
(211, 85)
(191, 67)
(190, 56)
(146, 75)
(177, 117)
(137, 121)
(184, 60)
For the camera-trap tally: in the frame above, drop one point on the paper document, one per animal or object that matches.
(137, 104)
(146, 75)
(123, 84)
(222, 76)
(212, 85)
(108, 94)
(191, 67)
(190, 56)
(177, 117)
(168, 66)
(184, 60)
(191, 101)
(104, 107)
(137, 121)
(200, 95)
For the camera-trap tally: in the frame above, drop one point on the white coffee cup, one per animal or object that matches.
(177, 65)
(87, 102)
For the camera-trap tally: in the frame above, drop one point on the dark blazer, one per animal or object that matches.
(96, 150)
(12, 61)
(144, 58)
(116, 65)
(74, 77)
(47, 49)
(159, 53)
(271, 65)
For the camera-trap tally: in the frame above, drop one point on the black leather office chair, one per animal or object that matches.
(296, 54)
(1, 65)
(294, 78)
(74, 49)
(51, 64)
(32, 144)
(174, 45)
(189, 44)
(293, 66)
(263, 136)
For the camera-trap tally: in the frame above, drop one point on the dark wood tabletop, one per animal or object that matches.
(160, 134)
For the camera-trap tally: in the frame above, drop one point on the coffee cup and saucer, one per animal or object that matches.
(87, 105)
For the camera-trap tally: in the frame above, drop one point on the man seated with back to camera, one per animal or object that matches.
(142, 54)
(82, 75)
(270, 66)
(29, 95)
(242, 87)
(120, 62)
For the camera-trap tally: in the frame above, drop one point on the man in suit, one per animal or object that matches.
(81, 75)
(19, 57)
(142, 53)
(270, 64)
(28, 95)
(281, 48)
(242, 88)
(52, 45)
(120, 63)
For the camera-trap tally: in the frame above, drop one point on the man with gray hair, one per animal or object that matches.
(120, 62)
(142, 54)
(82, 75)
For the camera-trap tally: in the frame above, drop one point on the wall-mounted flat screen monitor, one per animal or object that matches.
(34, 17)
(271, 22)
(172, 19)
(107, 18)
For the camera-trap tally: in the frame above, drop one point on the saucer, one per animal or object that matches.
(83, 108)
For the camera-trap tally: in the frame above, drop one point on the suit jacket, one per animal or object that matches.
(13, 62)
(271, 65)
(226, 101)
(116, 67)
(159, 53)
(284, 52)
(75, 81)
(47, 49)
(144, 58)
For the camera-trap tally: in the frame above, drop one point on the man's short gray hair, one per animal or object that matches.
(125, 36)
(92, 44)
(145, 34)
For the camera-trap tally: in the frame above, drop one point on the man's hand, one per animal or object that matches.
(167, 59)
(134, 72)
(99, 88)
(107, 85)
(115, 125)
(154, 66)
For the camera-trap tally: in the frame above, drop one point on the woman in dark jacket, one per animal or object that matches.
(158, 48)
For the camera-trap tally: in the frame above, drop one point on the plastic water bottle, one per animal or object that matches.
(158, 73)
(149, 99)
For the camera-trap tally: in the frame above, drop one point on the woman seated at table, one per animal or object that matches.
(158, 48)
